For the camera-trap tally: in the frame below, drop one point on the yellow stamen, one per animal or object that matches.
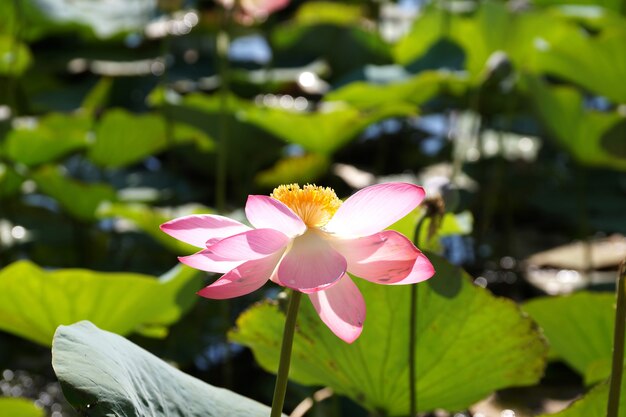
(315, 205)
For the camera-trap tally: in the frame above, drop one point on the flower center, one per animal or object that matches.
(315, 205)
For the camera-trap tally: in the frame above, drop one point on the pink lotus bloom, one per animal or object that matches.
(250, 11)
(308, 240)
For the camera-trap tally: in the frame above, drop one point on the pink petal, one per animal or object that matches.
(197, 229)
(205, 260)
(310, 264)
(342, 308)
(374, 208)
(262, 8)
(244, 279)
(253, 244)
(421, 271)
(265, 212)
(383, 258)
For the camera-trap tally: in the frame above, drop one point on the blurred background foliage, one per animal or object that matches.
(116, 116)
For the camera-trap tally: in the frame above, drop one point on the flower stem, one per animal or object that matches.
(413, 330)
(412, 340)
(435, 209)
(285, 355)
(618, 345)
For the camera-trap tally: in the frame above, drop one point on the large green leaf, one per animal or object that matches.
(593, 403)
(317, 12)
(322, 131)
(579, 329)
(594, 8)
(416, 90)
(491, 28)
(544, 42)
(104, 374)
(77, 198)
(10, 181)
(15, 57)
(34, 302)
(584, 133)
(51, 137)
(300, 169)
(123, 138)
(597, 62)
(469, 344)
(19, 407)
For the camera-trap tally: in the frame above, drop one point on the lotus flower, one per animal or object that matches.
(248, 12)
(308, 240)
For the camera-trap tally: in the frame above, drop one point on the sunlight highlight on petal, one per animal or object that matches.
(205, 260)
(197, 229)
(265, 212)
(342, 308)
(375, 208)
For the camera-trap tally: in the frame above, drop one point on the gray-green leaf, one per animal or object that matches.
(109, 376)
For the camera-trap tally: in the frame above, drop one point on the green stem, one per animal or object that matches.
(413, 329)
(285, 355)
(412, 341)
(618, 345)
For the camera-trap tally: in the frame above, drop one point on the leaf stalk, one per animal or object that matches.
(617, 365)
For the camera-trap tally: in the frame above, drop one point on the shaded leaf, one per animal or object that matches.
(299, 169)
(593, 403)
(148, 219)
(47, 139)
(123, 138)
(463, 331)
(614, 139)
(10, 181)
(576, 129)
(132, 382)
(77, 198)
(346, 47)
(34, 302)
